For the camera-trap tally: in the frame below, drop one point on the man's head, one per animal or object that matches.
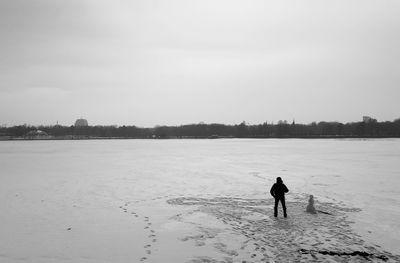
(279, 180)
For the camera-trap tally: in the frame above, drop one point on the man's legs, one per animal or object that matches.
(276, 207)
(283, 206)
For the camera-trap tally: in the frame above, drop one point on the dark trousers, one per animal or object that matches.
(282, 199)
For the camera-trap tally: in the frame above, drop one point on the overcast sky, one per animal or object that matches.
(176, 62)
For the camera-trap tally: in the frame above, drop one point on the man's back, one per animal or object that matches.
(279, 190)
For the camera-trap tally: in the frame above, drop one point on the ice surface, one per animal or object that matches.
(107, 200)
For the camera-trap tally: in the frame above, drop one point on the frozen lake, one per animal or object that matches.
(62, 200)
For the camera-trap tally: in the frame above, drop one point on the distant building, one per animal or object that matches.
(37, 134)
(81, 123)
(368, 119)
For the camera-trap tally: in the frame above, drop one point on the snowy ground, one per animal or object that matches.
(198, 201)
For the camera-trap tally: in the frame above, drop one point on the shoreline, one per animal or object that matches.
(74, 138)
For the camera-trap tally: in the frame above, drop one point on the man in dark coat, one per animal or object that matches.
(278, 191)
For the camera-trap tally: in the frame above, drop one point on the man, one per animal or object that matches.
(278, 191)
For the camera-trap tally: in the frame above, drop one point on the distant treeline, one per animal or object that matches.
(283, 129)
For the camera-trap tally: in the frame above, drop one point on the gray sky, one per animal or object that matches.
(176, 62)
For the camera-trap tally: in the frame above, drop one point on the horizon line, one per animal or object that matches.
(198, 123)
